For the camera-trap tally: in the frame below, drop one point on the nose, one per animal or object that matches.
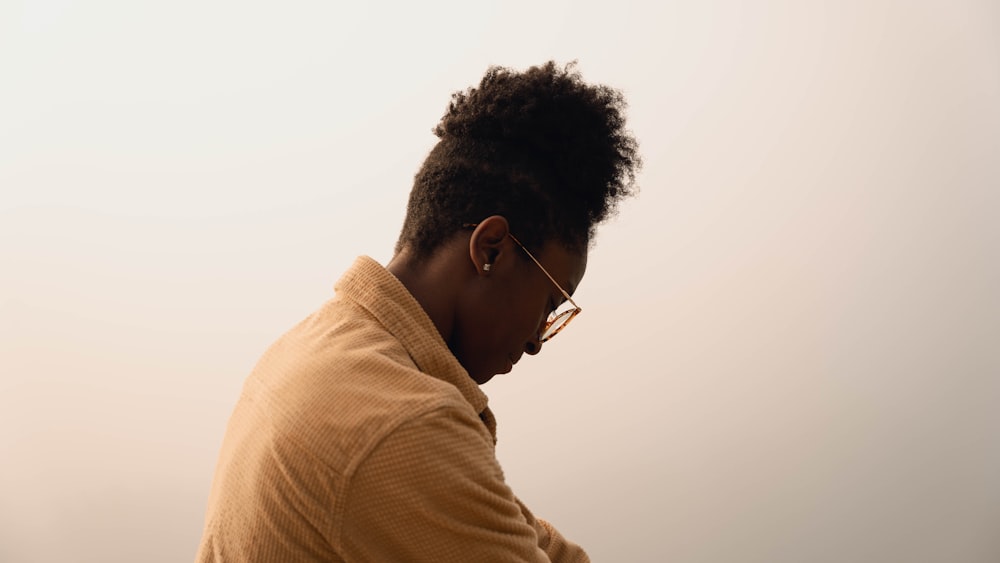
(534, 345)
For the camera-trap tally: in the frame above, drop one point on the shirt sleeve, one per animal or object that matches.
(432, 490)
(557, 547)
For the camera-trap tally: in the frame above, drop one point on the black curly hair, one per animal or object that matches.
(540, 147)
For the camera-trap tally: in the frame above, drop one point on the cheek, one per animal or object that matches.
(482, 329)
(527, 315)
(498, 323)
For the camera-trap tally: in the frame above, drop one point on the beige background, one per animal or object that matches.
(789, 345)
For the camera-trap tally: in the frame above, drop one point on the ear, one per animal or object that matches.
(486, 245)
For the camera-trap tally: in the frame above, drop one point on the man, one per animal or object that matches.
(362, 434)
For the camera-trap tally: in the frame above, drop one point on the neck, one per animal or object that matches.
(434, 282)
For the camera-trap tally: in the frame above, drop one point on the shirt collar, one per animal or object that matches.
(387, 299)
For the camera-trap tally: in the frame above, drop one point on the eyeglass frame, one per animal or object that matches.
(550, 322)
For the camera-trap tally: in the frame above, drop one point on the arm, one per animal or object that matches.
(557, 547)
(432, 490)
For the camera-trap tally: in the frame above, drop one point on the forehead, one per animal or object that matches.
(566, 266)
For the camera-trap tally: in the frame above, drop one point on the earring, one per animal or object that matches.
(487, 266)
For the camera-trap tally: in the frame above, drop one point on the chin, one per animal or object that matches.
(485, 374)
(481, 378)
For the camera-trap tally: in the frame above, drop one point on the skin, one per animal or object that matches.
(489, 319)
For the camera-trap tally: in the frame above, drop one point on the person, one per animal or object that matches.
(362, 433)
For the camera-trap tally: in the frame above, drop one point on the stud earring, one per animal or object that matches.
(487, 266)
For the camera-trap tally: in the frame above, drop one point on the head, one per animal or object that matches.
(538, 157)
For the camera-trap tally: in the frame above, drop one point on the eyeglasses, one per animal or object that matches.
(557, 320)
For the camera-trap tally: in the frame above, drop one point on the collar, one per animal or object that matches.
(373, 287)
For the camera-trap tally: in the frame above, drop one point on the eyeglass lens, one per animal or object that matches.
(556, 324)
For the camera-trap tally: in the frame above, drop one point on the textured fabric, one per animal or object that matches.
(359, 437)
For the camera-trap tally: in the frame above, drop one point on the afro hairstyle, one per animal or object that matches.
(542, 148)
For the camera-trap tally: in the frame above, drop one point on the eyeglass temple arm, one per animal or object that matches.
(537, 263)
(544, 271)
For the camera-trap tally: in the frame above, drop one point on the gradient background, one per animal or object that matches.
(789, 348)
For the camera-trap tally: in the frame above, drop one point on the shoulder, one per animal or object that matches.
(338, 382)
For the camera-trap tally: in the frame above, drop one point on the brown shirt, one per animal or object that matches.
(359, 437)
